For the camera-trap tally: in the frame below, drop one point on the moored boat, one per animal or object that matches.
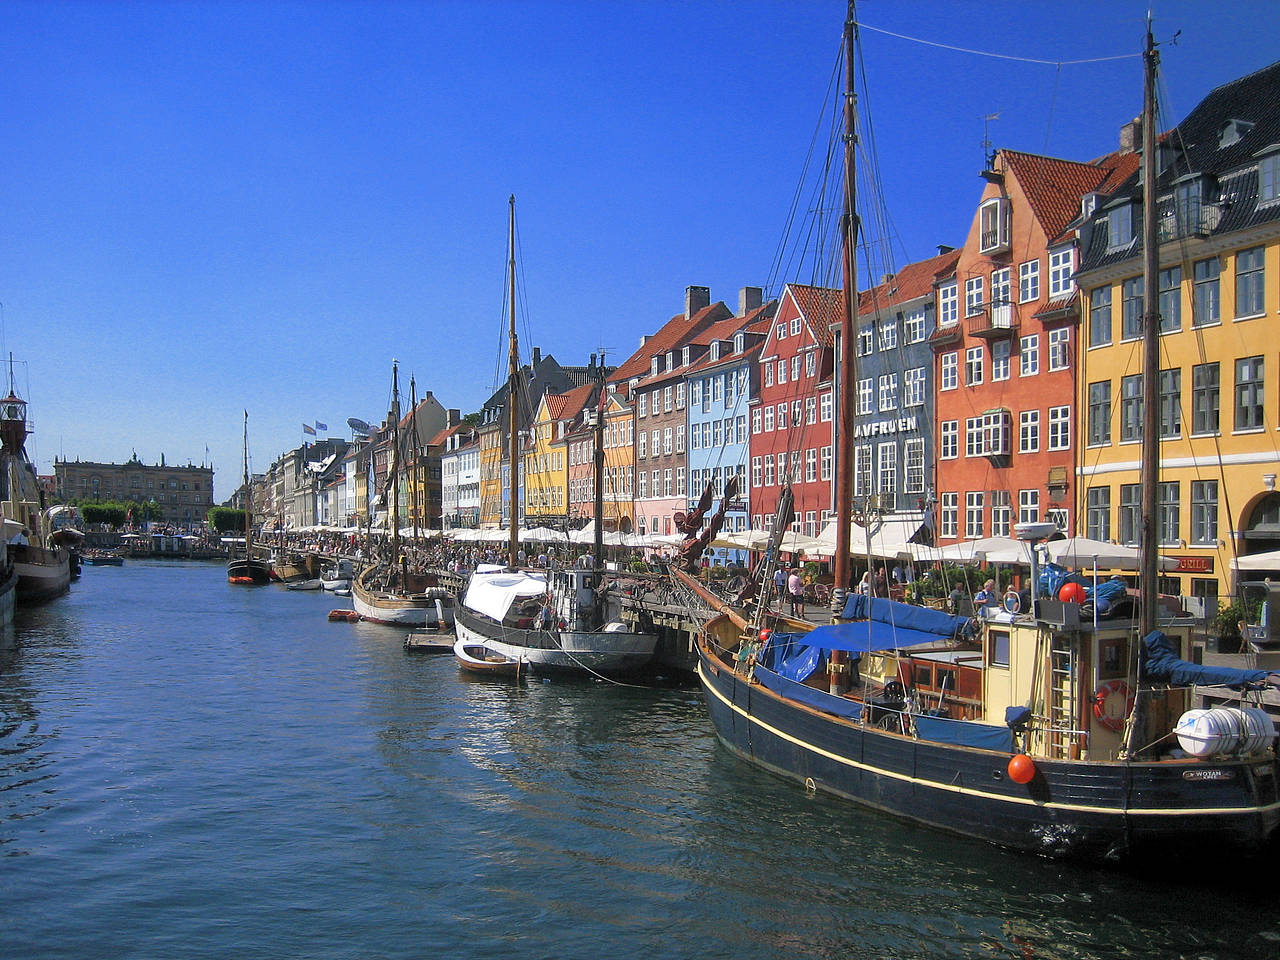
(478, 659)
(248, 570)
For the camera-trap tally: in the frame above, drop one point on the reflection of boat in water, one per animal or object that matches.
(478, 659)
(1034, 730)
(38, 557)
(248, 570)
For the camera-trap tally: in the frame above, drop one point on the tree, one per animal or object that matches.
(226, 519)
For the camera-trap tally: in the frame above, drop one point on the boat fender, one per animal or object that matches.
(1022, 769)
(1107, 693)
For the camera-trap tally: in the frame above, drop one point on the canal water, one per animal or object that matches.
(193, 770)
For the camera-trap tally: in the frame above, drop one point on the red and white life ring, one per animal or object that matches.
(1105, 699)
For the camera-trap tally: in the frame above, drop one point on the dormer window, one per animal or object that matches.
(739, 342)
(1269, 176)
(671, 360)
(1232, 131)
(1088, 204)
(715, 350)
(653, 367)
(685, 354)
(993, 225)
(1119, 226)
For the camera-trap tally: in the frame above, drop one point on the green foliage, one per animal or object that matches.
(226, 519)
(1226, 624)
(111, 513)
(811, 572)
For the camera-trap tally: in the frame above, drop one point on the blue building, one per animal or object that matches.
(720, 385)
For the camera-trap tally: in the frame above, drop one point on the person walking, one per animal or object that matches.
(780, 583)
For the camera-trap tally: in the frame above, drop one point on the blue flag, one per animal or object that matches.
(321, 426)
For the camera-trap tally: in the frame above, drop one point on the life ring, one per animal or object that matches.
(1103, 695)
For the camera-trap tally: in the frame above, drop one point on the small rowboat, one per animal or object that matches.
(477, 659)
(303, 585)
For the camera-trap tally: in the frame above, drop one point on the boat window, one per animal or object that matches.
(998, 648)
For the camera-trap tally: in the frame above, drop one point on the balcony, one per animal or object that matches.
(996, 321)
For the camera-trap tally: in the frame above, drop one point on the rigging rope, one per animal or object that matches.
(996, 56)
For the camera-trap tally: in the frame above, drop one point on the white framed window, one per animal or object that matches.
(913, 326)
(973, 366)
(768, 374)
(825, 407)
(993, 222)
(1029, 281)
(1001, 513)
(768, 418)
(888, 333)
(756, 420)
(811, 364)
(950, 371)
(827, 463)
(810, 410)
(913, 454)
(795, 368)
(1059, 345)
(974, 444)
(1061, 271)
(866, 340)
(973, 288)
(680, 395)
(782, 416)
(888, 392)
(995, 433)
(949, 440)
(780, 332)
(862, 470)
(1029, 355)
(768, 471)
(1060, 428)
(865, 396)
(1000, 360)
(755, 471)
(948, 515)
(974, 507)
(1028, 506)
(948, 305)
(795, 326)
(781, 377)
(1029, 431)
(913, 387)
(887, 487)
(811, 464)
(642, 405)
(695, 392)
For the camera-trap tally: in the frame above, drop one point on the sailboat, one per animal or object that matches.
(37, 564)
(1029, 730)
(551, 620)
(390, 592)
(248, 570)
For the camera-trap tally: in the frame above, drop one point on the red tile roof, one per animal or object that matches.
(566, 406)
(913, 281)
(821, 307)
(674, 333)
(1054, 187)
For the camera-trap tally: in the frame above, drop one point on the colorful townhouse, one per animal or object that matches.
(792, 409)
(722, 375)
(654, 379)
(1005, 350)
(546, 467)
(892, 434)
(1218, 226)
(619, 463)
(460, 479)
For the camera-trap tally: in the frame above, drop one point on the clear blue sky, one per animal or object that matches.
(208, 207)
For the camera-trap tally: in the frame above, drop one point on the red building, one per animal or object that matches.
(1004, 350)
(792, 412)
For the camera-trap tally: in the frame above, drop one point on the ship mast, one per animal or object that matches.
(393, 467)
(598, 460)
(513, 379)
(847, 360)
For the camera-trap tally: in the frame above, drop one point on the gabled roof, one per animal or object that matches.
(566, 406)
(440, 438)
(1054, 187)
(755, 323)
(674, 333)
(912, 282)
(822, 307)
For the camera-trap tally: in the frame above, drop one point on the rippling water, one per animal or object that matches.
(193, 770)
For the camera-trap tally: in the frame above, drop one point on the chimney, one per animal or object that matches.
(695, 299)
(1131, 136)
(886, 277)
(592, 364)
(454, 417)
(537, 356)
(749, 298)
(644, 338)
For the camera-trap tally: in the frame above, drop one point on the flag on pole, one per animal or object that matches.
(321, 426)
(308, 428)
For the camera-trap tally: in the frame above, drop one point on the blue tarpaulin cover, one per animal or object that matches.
(964, 733)
(1159, 661)
(905, 621)
(799, 693)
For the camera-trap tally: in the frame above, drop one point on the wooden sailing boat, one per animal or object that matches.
(550, 620)
(1042, 735)
(248, 570)
(389, 591)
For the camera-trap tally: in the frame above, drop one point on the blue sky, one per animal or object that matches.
(211, 207)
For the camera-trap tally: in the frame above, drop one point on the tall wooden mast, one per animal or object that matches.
(847, 369)
(598, 461)
(513, 385)
(1151, 344)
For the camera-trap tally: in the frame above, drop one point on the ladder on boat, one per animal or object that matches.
(1062, 653)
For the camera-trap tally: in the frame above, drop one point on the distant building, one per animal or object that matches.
(183, 493)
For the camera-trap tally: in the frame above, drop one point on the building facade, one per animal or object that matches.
(183, 494)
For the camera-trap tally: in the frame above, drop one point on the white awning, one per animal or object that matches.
(493, 593)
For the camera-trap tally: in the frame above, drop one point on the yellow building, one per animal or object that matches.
(1218, 221)
(492, 439)
(546, 461)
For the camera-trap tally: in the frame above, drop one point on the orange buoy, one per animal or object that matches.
(1022, 769)
(765, 634)
(1071, 593)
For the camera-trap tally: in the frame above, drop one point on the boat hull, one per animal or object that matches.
(416, 610)
(1089, 810)
(247, 571)
(563, 650)
(42, 574)
(480, 660)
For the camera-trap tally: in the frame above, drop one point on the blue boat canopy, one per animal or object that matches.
(1159, 661)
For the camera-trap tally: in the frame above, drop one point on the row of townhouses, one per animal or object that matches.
(996, 382)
